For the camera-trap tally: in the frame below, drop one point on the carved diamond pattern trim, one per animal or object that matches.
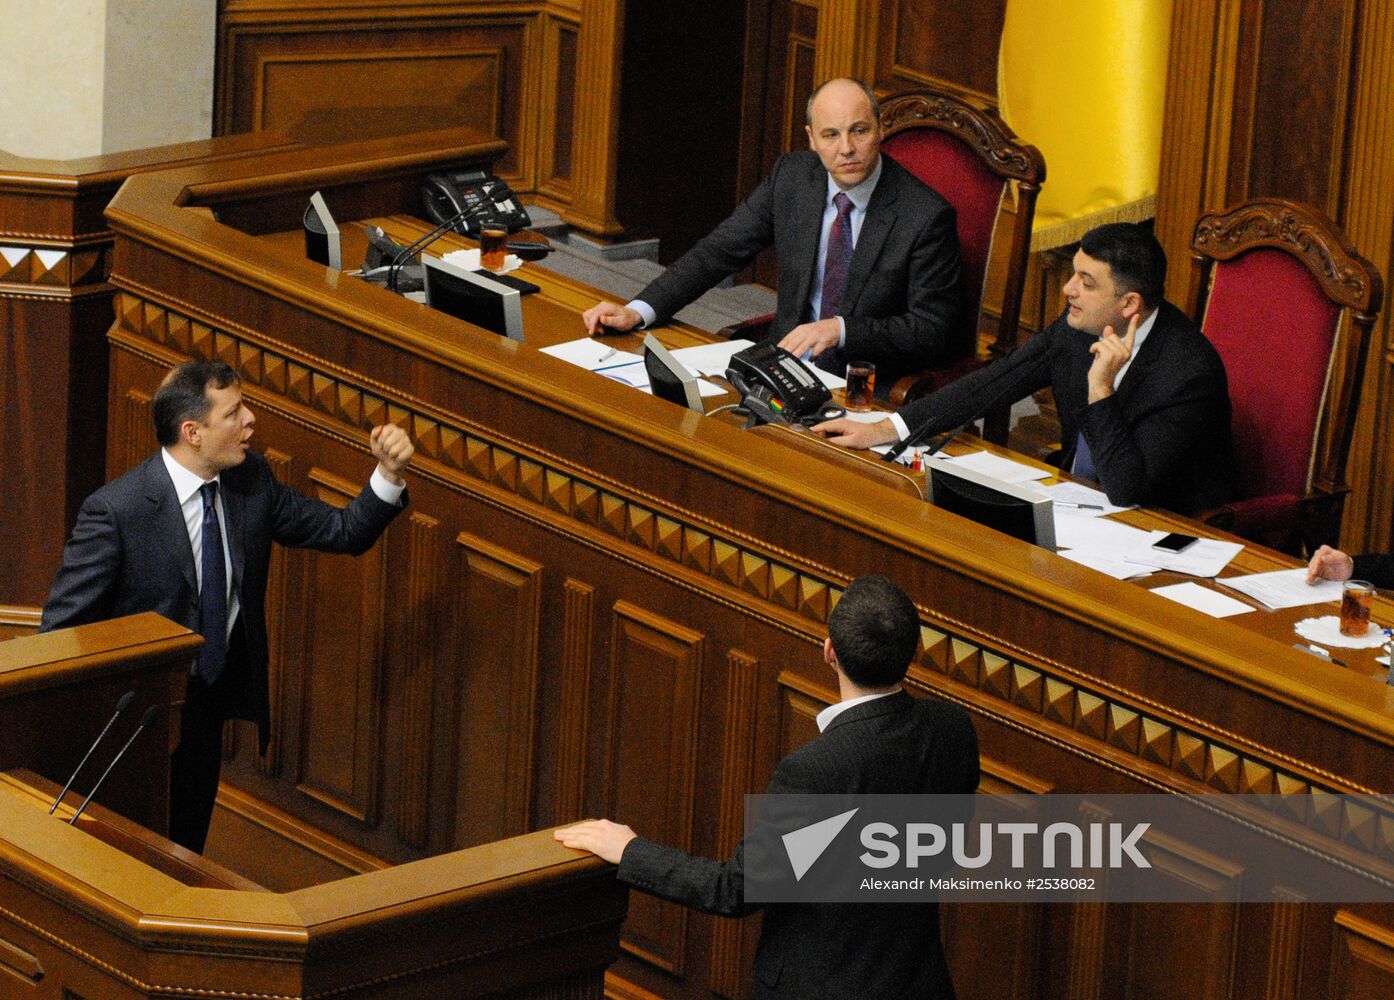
(1124, 728)
(1059, 702)
(12, 264)
(965, 660)
(1091, 714)
(1223, 768)
(813, 598)
(784, 587)
(1028, 688)
(669, 540)
(997, 675)
(697, 549)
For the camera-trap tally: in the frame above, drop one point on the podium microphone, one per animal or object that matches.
(121, 706)
(425, 241)
(145, 720)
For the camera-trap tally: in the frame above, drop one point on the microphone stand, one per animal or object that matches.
(145, 720)
(121, 706)
(427, 240)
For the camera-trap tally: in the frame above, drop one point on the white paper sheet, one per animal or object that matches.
(1207, 557)
(998, 467)
(1115, 568)
(592, 355)
(1099, 534)
(711, 359)
(1284, 588)
(1065, 493)
(1193, 595)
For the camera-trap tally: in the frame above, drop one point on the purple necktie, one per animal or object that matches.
(839, 257)
(1084, 460)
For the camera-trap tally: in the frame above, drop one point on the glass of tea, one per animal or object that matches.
(491, 247)
(861, 385)
(1356, 598)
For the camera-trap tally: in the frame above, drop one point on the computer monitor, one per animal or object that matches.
(1006, 507)
(322, 243)
(473, 297)
(669, 378)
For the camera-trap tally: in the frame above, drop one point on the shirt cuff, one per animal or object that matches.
(387, 492)
(645, 310)
(901, 430)
(841, 331)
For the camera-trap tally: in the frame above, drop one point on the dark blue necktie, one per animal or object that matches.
(1084, 460)
(835, 266)
(212, 603)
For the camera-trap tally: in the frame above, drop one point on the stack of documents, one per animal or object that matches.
(1285, 588)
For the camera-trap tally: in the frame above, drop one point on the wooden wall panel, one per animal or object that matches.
(341, 638)
(418, 686)
(1363, 963)
(365, 71)
(731, 957)
(651, 759)
(949, 45)
(499, 615)
(572, 731)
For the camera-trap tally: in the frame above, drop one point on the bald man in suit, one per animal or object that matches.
(869, 265)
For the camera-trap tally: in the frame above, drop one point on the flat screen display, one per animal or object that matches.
(473, 297)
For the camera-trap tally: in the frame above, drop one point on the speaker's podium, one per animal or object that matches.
(108, 908)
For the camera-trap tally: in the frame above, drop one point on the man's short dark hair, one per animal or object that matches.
(875, 631)
(184, 396)
(1134, 258)
(870, 96)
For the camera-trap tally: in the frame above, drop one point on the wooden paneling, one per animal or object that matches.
(948, 46)
(380, 68)
(339, 610)
(651, 760)
(1363, 965)
(499, 616)
(578, 630)
(418, 686)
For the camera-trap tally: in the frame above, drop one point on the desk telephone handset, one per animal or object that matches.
(446, 195)
(777, 387)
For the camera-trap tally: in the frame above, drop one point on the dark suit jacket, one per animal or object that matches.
(1377, 569)
(891, 745)
(1162, 439)
(902, 305)
(130, 552)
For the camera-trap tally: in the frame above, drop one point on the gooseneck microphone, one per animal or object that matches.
(423, 242)
(145, 720)
(121, 706)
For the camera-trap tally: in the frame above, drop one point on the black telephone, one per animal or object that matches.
(446, 195)
(777, 387)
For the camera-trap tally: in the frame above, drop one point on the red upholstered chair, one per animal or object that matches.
(970, 156)
(1272, 282)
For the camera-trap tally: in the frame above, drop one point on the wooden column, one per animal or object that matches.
(1197, 125)
(846, 39)
(1368, 218)
(596, 150)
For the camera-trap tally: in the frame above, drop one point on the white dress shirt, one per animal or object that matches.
(825, 717)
